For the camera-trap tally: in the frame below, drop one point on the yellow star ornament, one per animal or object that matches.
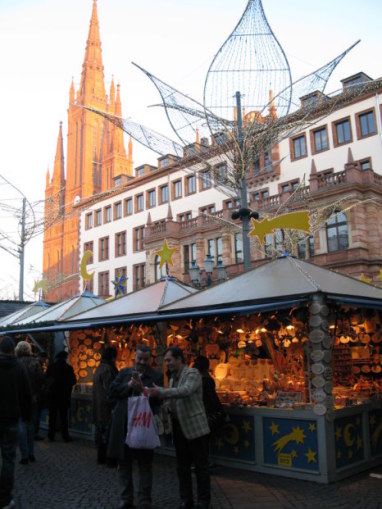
(365, 279)
(291, 221)
(165, 254)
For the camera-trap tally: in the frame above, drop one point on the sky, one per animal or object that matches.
(42, 46)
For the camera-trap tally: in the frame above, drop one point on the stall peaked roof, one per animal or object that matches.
(64, 310)
(146, 300)
(23, 313)
(285, 278)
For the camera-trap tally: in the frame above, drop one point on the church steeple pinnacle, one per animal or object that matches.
(58, 170)
(71, 93)
(112, 97)
(92, 78)
(118, 104)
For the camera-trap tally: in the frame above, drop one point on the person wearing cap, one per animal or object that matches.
(59, 379)
(23, 352)
(15, 402)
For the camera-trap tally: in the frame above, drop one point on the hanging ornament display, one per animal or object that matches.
(290, 221)
(119, 284)
(83, 270)
(165, 254)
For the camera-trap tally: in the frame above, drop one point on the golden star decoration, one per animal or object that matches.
(274, 428)
(165, 254)
(312, 427)
(365, 279)
(338, 432)
(293, 453)
(291, 221)
(311, 456)
(359, 443)
(246, 426)
(39, 284)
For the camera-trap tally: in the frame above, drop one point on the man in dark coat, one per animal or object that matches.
(130, 382)
(102, 404)
(60, 379)
(15, 402)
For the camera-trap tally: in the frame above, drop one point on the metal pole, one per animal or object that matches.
(22, 249)
(243, 189)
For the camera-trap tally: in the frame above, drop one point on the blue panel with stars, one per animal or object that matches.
(81, 416)
(348, 434)
(291, 443)
(236, 440)
(375, 427)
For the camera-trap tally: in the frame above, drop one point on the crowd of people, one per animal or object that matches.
(189, 406)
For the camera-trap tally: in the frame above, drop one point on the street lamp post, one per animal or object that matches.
(244, 213)
(22, 251)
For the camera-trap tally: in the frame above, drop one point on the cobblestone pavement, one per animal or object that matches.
(66, 476)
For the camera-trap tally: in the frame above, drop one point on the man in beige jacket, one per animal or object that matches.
(189, 426)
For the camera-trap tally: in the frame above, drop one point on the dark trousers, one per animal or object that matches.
(144, 459)
(102, 433)
(62, 410)
(8, 445)
(187, 452)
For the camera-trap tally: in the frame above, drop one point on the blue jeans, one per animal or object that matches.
(8, 445)
(26, 438)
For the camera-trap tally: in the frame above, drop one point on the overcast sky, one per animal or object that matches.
(42, 46)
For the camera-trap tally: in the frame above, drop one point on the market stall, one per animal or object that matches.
(295, 353)
(106, 326)
(294, 350)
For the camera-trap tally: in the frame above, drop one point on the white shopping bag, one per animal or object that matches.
(142, 432)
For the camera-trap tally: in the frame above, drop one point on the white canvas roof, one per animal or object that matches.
(282, 278)
(146, 300)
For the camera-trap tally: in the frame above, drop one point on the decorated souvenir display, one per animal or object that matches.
(304, 357)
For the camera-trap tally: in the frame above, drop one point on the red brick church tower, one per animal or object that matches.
(95, 154)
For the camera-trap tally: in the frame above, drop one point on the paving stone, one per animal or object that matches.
(66, 476)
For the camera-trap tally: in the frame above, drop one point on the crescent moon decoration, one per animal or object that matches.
(233, 436)
(166, 254)
(291, 221)
(348, 438)
(376, 434)
(84, 260)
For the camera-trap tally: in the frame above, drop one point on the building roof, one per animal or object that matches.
(280, 279)
(23, 313)
(64, 310)
(146, 300)
(282, 283)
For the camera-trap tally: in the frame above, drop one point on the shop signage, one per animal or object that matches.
(349, 446)
(81, 415)
(291, 443)
(375, 432)
(236, 440)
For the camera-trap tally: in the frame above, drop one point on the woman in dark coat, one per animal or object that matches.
(60, 379)
(23, 352)
(102, 404)
(215, 411)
